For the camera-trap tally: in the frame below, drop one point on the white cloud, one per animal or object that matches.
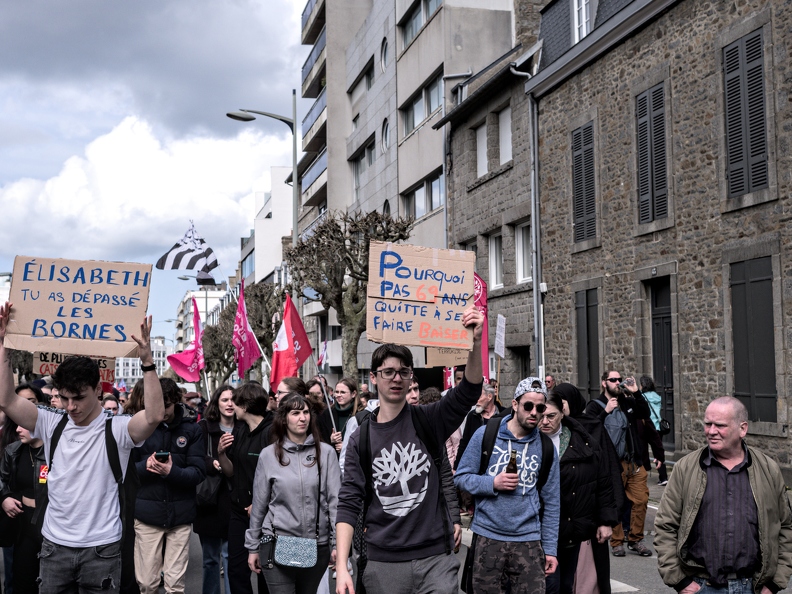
(131, 195)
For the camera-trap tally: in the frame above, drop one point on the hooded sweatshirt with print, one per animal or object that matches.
(512, 515)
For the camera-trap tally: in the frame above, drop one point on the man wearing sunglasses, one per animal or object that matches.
(516, 519)
(408, 530)
(621, 407)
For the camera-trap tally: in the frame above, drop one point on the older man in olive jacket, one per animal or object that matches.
(725, 523)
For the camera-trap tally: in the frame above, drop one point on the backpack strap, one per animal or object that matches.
(488, 441)
(547, 461)
(427, 436)
(364, 451)
(42, 501)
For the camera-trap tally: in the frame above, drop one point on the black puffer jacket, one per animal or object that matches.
(586, 489)
(169, 501)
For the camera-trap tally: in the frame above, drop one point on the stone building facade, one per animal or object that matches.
(665, 243)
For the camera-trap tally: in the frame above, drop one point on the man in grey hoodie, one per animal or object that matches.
(516, 521)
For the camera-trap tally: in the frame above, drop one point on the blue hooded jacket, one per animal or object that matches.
(512, 515)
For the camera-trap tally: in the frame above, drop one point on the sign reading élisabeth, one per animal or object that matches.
(81, 307)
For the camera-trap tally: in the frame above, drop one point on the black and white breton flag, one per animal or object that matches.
(190, 253)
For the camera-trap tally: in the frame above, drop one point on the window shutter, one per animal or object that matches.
(584, 195)
(754, 91)
(746, 140)
(644, 159)
(659, 173)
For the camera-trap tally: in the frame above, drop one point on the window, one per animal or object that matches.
(359, 164)
(481, 150)
(369, 76)
(385, 136)
(753, 339)
(584, 196)
(249, 265)
(746, 138)
(414, 114)
(505, 135)
(524, 259)
(582, 10)
(434, 94)
(496, 261)
(428, 196)
(384, 55)
(431, 6)
(413, 24)
(651, 142)
(436, 192)
(386, 209)
(586, 317)
(355, 121)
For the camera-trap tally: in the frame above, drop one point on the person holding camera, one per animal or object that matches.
(622, 408)
(170, 465)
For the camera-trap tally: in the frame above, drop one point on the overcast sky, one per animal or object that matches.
(113, 131)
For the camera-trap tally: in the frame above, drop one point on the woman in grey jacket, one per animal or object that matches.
(289, 499)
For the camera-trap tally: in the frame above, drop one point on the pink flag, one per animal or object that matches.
(448, 377)
(291, 347)
(189, 363)
(480, 301)
(246, 349)
(322, 355)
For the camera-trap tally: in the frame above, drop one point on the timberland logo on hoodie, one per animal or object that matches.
(527, 467)
(397, 472)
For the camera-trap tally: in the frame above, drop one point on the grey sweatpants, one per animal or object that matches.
(435, 575)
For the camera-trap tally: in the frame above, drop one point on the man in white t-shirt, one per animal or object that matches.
(81, 550)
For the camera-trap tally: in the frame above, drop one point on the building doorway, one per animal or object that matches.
(662, 361)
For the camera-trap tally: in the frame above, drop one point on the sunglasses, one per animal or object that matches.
(615, 380)
(529, 406)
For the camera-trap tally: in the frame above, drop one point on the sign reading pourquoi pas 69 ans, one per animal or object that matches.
(417, 295)
(77, 307)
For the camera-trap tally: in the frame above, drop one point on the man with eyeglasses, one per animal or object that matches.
(515, 524)
(408, 530)
(621, 407)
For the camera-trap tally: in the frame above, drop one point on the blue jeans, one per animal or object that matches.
(72, 570)
(739, 586)
(214, 549)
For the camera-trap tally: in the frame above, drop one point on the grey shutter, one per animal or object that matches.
(587, 322)
(652, 175)
(753, 337)
(746, 140)
(584, 195)
(644, 159)
(659, 173)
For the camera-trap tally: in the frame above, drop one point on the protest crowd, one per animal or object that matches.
(368, 487)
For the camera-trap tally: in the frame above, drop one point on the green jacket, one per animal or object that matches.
(679, 507)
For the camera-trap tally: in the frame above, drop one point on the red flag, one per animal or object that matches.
(291, 347)
(246, 349)
(448, 377)
(480, 301)
(189, 363)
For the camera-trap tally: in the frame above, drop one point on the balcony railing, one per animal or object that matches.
(320, 44)
(306, 14)
(316, 169)
(311, 228)
(315, 112)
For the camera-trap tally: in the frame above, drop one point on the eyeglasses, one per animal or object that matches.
(389, 373)
(615, 380)
(529, 406)
(550, 417)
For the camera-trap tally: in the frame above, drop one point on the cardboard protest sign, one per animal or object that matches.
(78, 307)
(500, 337)
(416, 295)
(443, 357)
(47, 363)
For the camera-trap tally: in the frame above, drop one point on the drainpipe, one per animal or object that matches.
(536, 247)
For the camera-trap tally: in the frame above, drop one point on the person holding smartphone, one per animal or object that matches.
(170, 465)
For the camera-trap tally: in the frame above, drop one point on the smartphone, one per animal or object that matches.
(162, 457)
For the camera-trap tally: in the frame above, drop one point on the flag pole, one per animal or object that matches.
(206, 385)
(324, 393)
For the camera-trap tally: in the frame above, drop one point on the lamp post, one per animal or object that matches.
(243, 115)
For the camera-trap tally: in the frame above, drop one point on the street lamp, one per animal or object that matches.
(243, 115)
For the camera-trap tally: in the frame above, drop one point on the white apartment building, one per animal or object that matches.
(128, 368)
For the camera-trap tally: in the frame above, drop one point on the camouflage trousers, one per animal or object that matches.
(501, 567)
